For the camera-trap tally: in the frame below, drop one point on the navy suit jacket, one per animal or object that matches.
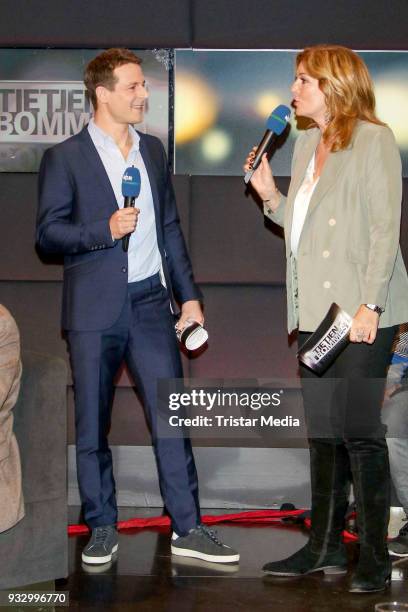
(76, 201)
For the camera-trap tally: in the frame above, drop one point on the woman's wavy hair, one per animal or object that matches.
(347, 86)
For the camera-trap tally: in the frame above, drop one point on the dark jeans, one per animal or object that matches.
(345, 402)
(347, 442)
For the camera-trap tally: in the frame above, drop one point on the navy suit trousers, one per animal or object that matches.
(144, 337)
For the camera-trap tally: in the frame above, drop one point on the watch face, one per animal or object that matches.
(374, 308)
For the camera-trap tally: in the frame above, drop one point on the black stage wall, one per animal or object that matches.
(223, 24)
(239, 261)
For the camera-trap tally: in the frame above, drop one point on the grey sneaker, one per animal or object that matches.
(203, 543)
(101, 546)
(399, 545)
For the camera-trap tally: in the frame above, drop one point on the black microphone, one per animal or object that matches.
(130, 191)
(275, 125)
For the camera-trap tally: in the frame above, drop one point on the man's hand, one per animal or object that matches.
(364, 325)
(190, 310)
(123, 222)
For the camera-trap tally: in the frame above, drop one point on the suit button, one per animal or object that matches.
(332, 222)
(326, 254)
(327, 284)
(124, 269)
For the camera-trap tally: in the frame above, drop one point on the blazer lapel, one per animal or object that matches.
(304, 157)
(328, 178)
(299, 171)
(91, 154)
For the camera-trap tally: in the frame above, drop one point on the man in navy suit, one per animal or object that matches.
(119, 305)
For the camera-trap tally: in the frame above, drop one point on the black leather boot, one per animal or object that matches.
(325, 551)
(371, 477)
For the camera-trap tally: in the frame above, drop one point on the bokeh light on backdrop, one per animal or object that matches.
(223, 99)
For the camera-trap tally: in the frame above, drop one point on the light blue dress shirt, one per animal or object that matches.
(143, 254)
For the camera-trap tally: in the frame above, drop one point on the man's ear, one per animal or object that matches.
(101, 94)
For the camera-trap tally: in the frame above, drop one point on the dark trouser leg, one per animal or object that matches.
(341, 409)
(367, 448)
(153, 354)
(329, 464)
(95, 358)
(370, 469)
(325, 551)
(330, 484)
(330, 479)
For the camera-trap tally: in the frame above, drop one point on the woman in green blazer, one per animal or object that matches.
(342, 221)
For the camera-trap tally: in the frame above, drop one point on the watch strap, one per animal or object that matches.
(374, 308)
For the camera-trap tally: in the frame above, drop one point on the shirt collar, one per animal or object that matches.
(106, 141)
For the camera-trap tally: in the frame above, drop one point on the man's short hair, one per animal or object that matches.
(99, 71)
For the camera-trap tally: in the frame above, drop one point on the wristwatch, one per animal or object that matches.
(374, 308)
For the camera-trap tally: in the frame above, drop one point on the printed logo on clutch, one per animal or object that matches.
(335, 334)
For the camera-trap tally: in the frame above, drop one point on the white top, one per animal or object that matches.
(143, 254)
(302, 200)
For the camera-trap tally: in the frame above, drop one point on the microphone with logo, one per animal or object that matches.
(275, 125)
(130, 191)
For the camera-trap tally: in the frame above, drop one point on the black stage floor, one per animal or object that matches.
(145, 577)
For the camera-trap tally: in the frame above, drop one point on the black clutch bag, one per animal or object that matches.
(330, 338)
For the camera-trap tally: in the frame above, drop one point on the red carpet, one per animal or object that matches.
(251, 517)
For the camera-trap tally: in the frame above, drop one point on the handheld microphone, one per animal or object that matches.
(130, 191)
(275, 125)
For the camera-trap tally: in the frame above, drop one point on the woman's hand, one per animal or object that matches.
(364, 326)
(262, 179)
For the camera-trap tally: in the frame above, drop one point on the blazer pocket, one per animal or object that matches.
(84, 267)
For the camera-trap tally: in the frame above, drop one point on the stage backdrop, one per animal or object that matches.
(223, 99)
(43, 101)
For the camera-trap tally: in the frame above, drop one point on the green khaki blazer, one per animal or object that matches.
(348, 250)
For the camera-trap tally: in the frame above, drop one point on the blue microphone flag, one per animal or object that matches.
(131, 183)
(278, 119)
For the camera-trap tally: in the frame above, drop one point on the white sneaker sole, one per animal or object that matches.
(99, 560)
(395, 554)
(195, 554)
